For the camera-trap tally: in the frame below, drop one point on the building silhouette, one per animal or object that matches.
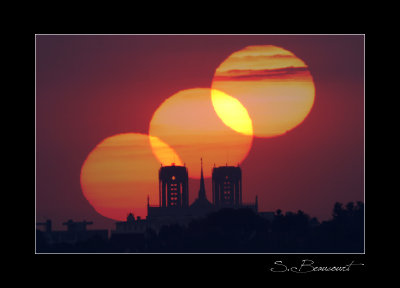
(76, 232)
(173, 186)
(174, 195)
(173, 198)
(227, 186)
(201, 206)
(47, 225)
(173, 208)
(131, 225)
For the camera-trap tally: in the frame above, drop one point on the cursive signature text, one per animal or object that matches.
(307, 266)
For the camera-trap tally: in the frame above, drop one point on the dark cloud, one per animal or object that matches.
(247, 75)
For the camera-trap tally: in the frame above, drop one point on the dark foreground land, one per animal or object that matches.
(237, 231)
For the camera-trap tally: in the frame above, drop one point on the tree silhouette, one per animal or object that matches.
(345, 232)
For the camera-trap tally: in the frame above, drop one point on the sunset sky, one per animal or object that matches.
(94, 92)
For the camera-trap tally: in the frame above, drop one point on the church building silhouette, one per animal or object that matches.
(174, 195)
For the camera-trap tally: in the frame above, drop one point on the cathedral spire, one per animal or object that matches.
(202, 191)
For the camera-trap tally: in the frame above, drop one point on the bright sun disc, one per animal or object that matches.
(121, 171)
(189, 125)
(273, 84)
(231, 112)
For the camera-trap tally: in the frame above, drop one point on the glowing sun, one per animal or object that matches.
(188, 123)
(273, 84)
(121, 171)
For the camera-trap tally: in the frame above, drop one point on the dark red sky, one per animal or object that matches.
(92, 87)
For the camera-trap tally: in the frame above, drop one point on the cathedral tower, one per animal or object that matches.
(173, 186)
(227, 186)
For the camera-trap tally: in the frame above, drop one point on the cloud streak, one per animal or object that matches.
(255, 75)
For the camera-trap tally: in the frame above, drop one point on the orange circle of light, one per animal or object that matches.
(273, 84)
(232, 112)
(120, 172)
(188, 123)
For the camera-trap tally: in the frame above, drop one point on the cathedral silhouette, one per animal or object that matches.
(174, 195)
(173, 206)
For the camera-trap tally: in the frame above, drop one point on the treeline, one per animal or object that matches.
(240, 231)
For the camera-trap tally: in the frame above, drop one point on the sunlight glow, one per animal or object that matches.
(189, 125)
(231, 112)
(120, 172)
(275, 87)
